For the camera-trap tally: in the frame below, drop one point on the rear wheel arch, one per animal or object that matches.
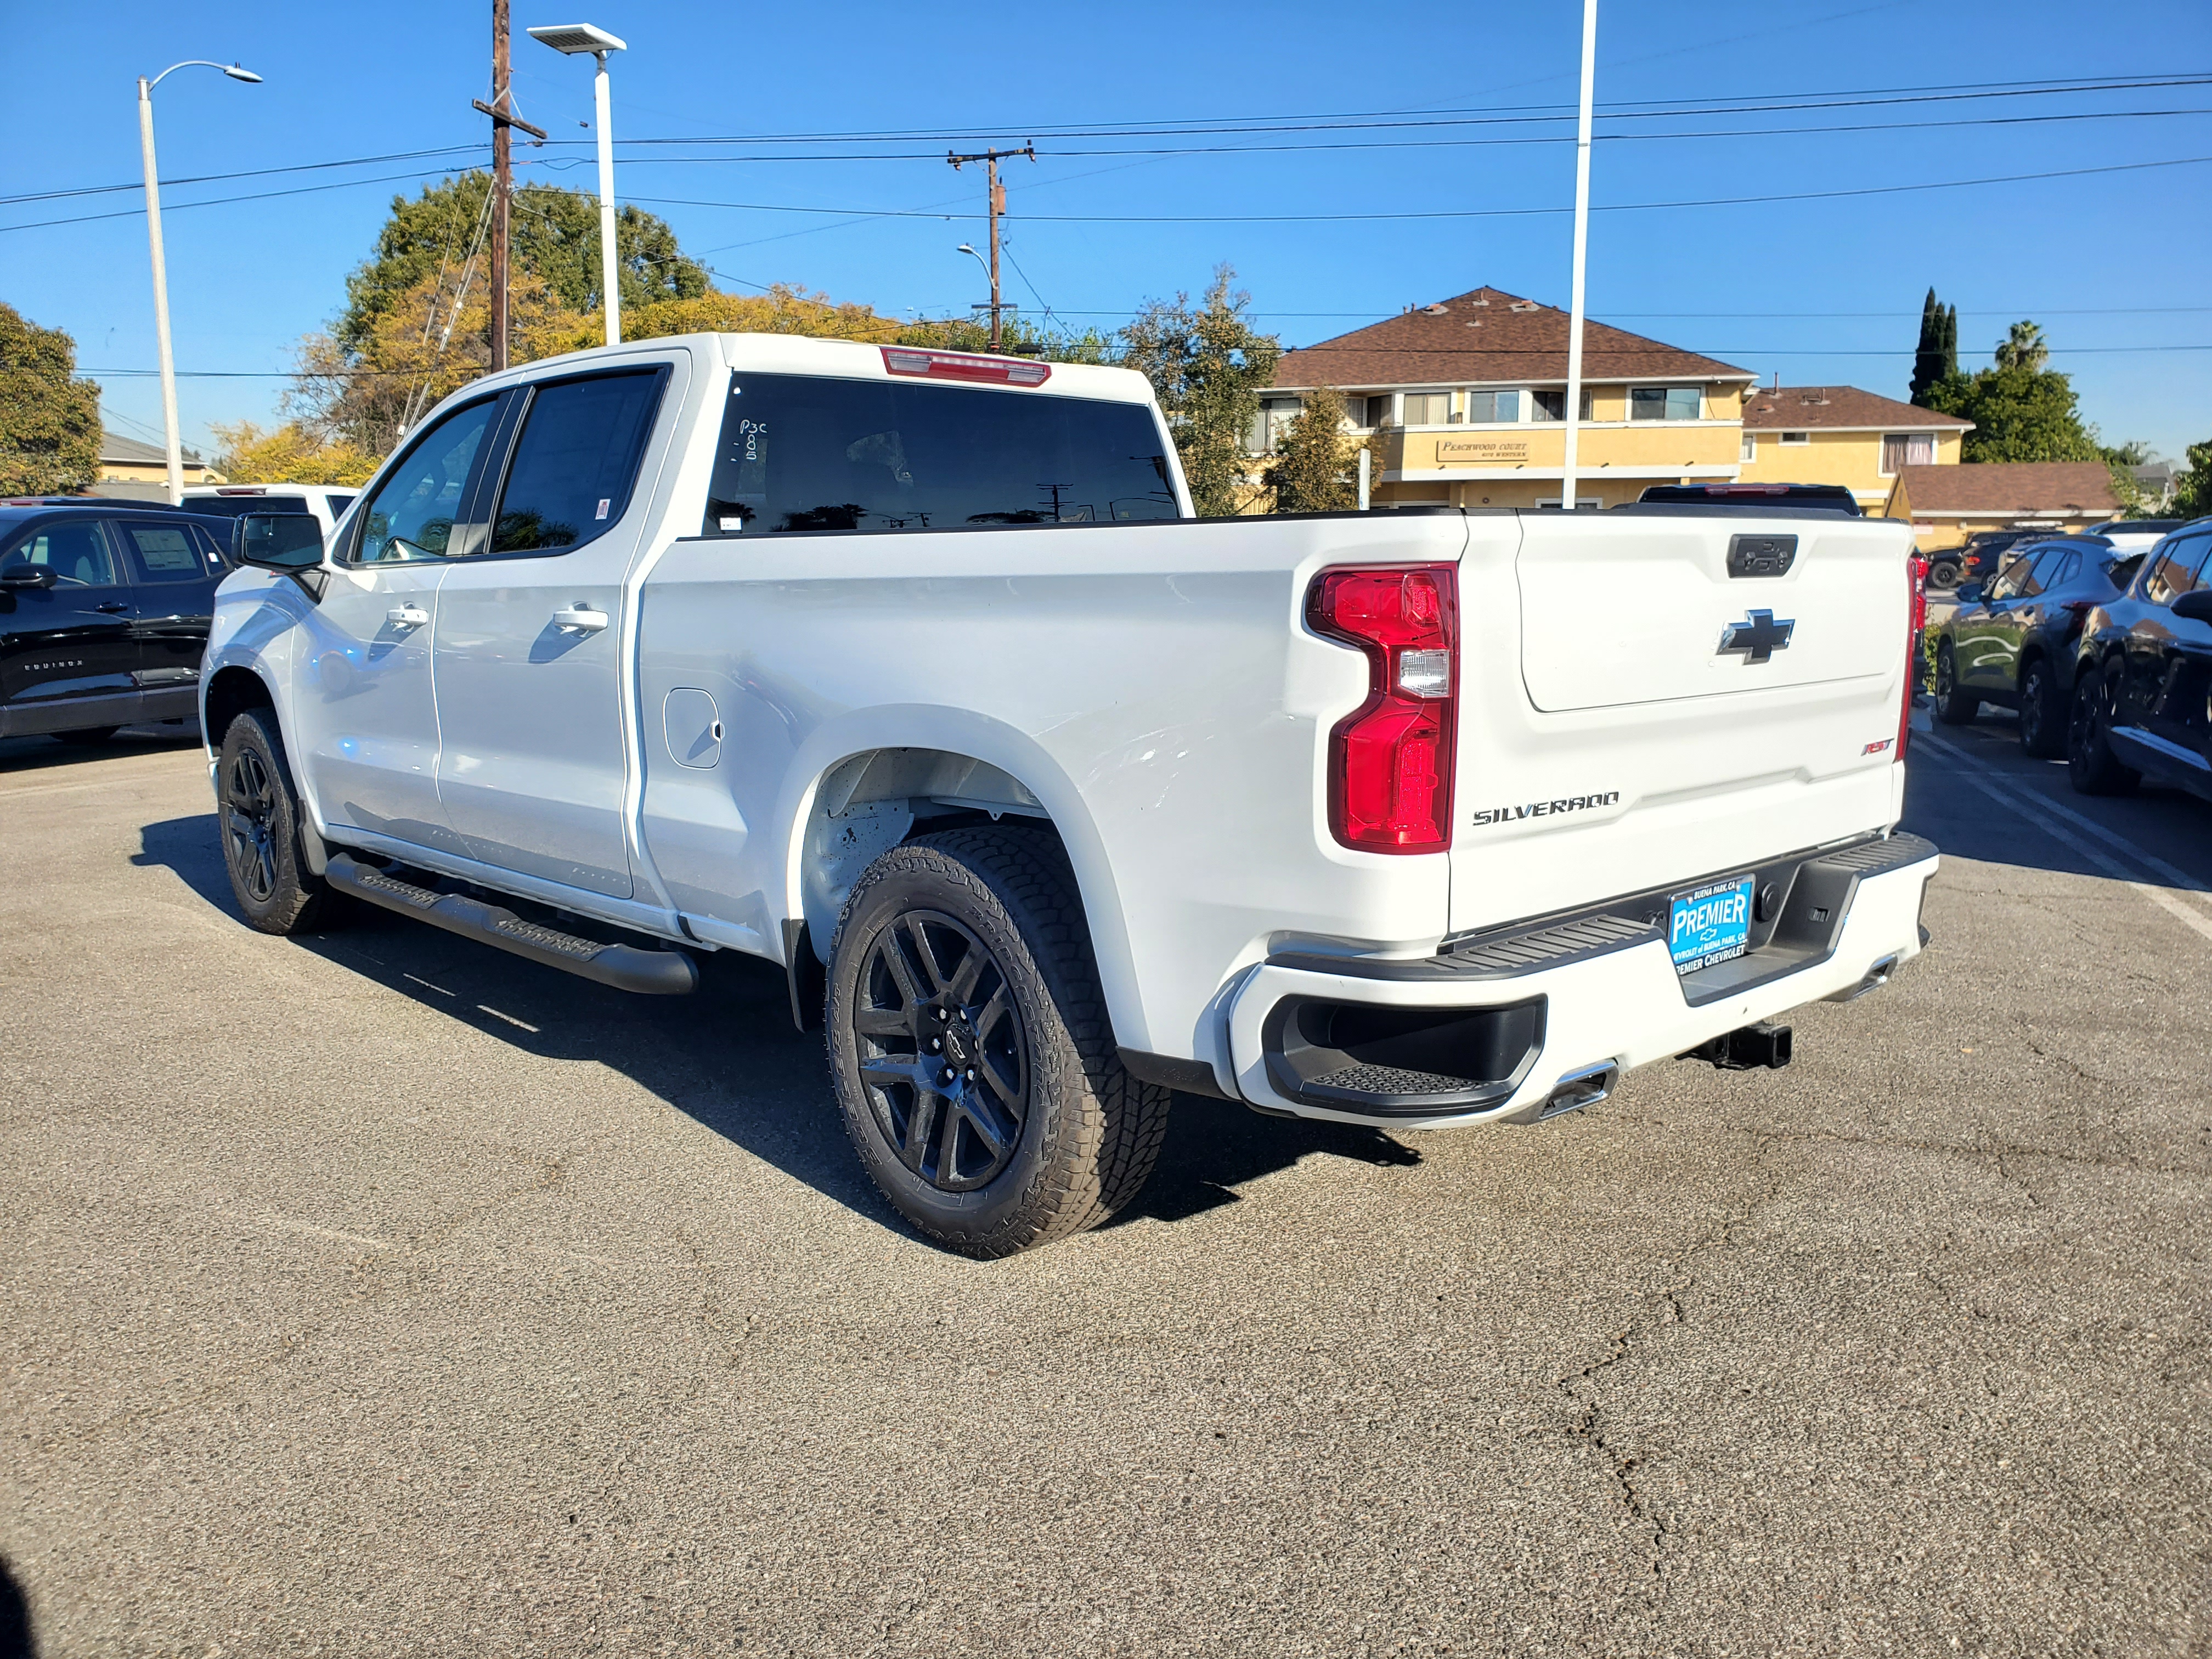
(867, 801)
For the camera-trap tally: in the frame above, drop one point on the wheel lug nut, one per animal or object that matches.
(971, 1073)
(934, 1045)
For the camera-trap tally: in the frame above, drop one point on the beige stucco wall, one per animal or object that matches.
(196, 472)
(1652, 448)
(1851, 459)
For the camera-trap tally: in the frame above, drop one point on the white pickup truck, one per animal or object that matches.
(913, 671)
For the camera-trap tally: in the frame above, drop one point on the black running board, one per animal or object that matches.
(652, 973)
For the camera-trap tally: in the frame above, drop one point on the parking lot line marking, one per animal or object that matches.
(2149, 860)
(2158, 896)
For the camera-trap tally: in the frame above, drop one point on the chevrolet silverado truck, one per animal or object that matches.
(913, 673)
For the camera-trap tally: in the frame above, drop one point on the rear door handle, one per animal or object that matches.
(407, 615)
(579, 618)
(110, 610)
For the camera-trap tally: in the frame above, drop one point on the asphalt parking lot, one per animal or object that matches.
(381, 1294)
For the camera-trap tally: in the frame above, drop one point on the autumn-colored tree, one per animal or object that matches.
(49, 419)
(291, 454)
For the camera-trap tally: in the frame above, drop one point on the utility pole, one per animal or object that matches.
(991, 158)
(501, 111)
(1574, 408)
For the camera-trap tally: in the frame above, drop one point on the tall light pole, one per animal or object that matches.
(161, 268)
(1574, 410)
(578, 38)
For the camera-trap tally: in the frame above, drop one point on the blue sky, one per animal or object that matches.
(2111, 263)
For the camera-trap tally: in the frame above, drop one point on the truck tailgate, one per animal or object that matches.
(1650, 698)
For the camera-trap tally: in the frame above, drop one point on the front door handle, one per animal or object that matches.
(110, 610)
(579, 618)
(407, 615)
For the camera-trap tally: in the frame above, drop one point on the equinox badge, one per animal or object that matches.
(1759, 636)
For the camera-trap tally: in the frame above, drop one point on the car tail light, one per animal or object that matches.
(959, 366)
(1916, 611)
(1390, 761)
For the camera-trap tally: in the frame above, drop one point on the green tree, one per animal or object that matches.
(1207, 365)
(49, 419)
(553, 235)
(1937, 354)
(1310, 469)
(2023, 347)
(2021, 411)
(2192, 486)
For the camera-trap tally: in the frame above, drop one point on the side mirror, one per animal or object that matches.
(27, 574)
(286, 541)
(2194, 605)
(1968, 593)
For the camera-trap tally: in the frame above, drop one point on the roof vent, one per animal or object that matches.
(1478, 302)
(1524, 305)
(1434, 311)
(1477, 323)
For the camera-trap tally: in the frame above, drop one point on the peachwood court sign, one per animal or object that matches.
(1480, 452)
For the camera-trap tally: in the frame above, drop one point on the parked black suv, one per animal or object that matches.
(2015, 642)
(1983, 556)
(103, 614)
(2142, 693)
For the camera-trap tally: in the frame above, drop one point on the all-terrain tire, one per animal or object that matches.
(2091, 766)
(2043, 712)
(1955, 705)
(1084, 1134)
(258, 816)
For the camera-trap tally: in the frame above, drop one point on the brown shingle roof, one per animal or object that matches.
(1795, 408)
(1488, 336)
(2009, 487)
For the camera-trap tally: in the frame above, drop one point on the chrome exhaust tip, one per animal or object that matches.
(1578, 1089)
(1877, 976)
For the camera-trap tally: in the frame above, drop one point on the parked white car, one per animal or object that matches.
(327, 503)
(912, 672)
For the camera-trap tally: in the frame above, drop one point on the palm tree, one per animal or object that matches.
(2023, 348)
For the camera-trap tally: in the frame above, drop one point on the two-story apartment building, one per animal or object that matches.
(1467, 399)
(1839, 435)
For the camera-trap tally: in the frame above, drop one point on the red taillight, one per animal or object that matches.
(958, 366)
(1390, 763)
(1916, 611)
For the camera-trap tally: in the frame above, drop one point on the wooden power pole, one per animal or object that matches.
(991, 158)
(501, 111)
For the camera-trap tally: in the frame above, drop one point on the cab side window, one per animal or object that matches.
(411, 515)
(2177, 568)
(73, 551)
(2012, 583)
(576, 461)
(165, 552)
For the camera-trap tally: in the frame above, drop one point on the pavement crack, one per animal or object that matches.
(1590, 1427)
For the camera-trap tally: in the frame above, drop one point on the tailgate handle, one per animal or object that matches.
(1761, 556)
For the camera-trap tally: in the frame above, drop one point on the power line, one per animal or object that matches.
(1433, 213)
(250, 172)
(225, 201)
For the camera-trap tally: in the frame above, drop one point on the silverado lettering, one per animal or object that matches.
(1543, 809)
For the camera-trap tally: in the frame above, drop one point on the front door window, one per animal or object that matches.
(411, 515)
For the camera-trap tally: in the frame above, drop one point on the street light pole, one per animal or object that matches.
(1574, 408)
(580, 38)
(174, 440)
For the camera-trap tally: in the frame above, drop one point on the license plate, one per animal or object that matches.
(1710, 925)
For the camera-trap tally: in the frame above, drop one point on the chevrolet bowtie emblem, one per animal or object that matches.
(1759, 636)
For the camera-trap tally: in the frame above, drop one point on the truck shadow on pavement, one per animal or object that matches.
(728, 1056)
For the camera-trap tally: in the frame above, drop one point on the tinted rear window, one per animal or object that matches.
(802, 453)
(237, 506)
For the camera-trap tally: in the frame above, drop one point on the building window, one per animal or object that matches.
(1663, 403)
(1796, 437)
(1750, 450)
(1427, 408)
(1907, 449)
(1493, 406)
(1275, 416)
(1379, 412)
(1551, 404)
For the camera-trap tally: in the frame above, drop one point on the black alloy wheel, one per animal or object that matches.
(1943, 574)
(2091, 766)
(1953, 705)
(249, 824)
(2038, 723)
(942, 1053)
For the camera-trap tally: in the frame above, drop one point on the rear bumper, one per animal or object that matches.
(1534, 1011)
